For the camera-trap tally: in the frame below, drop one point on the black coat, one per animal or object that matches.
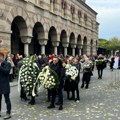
(60, 72)
(4, 77)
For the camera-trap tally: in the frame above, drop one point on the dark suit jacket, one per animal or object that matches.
(4, 77)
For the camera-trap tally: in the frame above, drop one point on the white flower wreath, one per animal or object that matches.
(72, 71)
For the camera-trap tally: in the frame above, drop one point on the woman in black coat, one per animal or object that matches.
(100, 64)
(4, 84)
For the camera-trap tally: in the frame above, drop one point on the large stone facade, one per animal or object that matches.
(48, 26)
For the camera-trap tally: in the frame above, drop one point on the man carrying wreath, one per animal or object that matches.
(54, 65)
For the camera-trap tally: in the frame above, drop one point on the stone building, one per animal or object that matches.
(48, 26)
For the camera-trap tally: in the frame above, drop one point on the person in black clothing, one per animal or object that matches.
(61, 85)
(87, 72)
(67, 79)
(54, 65)
(112, 62)
(75, 83)
(4, 85)
(100, 64)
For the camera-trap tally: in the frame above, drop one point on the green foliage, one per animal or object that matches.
(112, 44)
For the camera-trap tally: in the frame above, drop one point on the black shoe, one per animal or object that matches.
(51, 106)
(25, 99)
(0, 113)
(72, 98)
(8, 116)
(61, 107)
(77, 99)
(68, 98)
(31, 102)
(82, 86)
(57, 103)
(86, 87)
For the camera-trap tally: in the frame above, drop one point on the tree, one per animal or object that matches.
(112, 44)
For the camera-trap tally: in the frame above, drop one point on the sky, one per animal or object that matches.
(108, 17)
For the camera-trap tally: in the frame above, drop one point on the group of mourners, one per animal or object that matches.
(68, 81)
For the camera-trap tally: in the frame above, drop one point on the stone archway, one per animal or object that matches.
(72, 46)
(38, 35)
(18, 27)
(63, 41)
(51, 46)
(79, 45)
(85, 45)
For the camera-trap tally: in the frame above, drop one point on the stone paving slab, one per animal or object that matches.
(100, 102)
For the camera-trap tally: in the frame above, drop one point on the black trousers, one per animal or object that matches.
(77, 92)
(60, 96)
(53, 96)
(100, 73)
(7, 101)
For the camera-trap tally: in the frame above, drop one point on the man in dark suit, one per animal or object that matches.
(4, 85)
(55, 65)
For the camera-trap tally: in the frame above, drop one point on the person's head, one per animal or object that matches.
(1, 57)
(76, 60)
(55, 60)
(87, 60)
(9, 58)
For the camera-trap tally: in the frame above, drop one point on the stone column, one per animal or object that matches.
(55, 45)
(65, 45)
(73, 46)
(42, 42)
(42, 49)
(94, 50)
(88, 50)
(80, 48)
(26, 49)
(55, 50)
(26, 40)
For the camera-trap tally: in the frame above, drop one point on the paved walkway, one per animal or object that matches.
(100, 102)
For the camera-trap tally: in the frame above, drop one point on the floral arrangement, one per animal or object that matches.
(48, 78)
(28, 74)
(72, 71)
(99, 61)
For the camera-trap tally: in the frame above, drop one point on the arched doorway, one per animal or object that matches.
(17, 27)
(85, 45)
(79, 44)
(63, 39)
(60, 49)
(38, 35)
(72, 42)
(52, 36)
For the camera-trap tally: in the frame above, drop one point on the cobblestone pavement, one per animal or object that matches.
(100, 102)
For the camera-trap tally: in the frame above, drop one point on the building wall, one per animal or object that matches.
(59, 18)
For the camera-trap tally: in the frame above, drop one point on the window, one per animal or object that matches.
(52, 5)
(72, 11)
(79, 15)
(64, 7)
(85, 18)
